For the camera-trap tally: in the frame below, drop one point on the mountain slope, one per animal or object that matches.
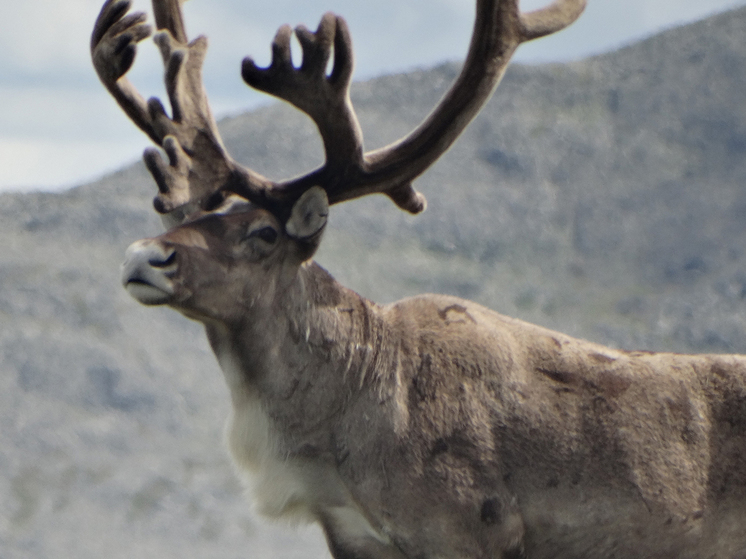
(603, 198)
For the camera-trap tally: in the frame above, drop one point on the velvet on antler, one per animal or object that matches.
(199, 170)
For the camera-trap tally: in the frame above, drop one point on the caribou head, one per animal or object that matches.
(234, 218)
(218, 265)
(431, 427)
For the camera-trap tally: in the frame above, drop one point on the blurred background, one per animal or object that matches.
(600, 193)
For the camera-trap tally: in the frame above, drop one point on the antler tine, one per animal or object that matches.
(168, 16)
(324, 98)
(551, 19)
(499, 29)
(198, 165)
(113, 47)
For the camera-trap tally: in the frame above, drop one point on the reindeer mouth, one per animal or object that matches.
(147, 271)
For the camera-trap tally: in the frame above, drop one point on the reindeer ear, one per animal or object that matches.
(308, 216)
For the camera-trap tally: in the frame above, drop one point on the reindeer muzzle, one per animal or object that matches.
(147, 271)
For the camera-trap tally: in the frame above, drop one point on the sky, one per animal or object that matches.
(59, 128)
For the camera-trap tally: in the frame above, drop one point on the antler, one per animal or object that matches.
(348, 173)
(199, 167)
(198, 164)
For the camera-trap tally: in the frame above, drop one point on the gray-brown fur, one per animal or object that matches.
(432, 427)
(459, 432)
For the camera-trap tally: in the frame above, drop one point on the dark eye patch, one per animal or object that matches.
(267, 234)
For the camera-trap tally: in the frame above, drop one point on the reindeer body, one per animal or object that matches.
(435, 426)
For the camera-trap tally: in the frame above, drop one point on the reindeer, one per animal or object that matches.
(431, 427)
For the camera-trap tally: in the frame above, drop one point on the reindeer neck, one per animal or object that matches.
(315, 333)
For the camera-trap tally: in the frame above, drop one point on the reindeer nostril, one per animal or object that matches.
(161, 262)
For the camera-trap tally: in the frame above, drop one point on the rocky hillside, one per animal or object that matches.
(604, 198)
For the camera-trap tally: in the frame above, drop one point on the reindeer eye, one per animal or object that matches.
(267, 234)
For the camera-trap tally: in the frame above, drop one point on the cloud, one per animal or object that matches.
(59, 165)
(82, 135)
(46, 36)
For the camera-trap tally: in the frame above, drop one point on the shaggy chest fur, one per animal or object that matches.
(289, 477)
